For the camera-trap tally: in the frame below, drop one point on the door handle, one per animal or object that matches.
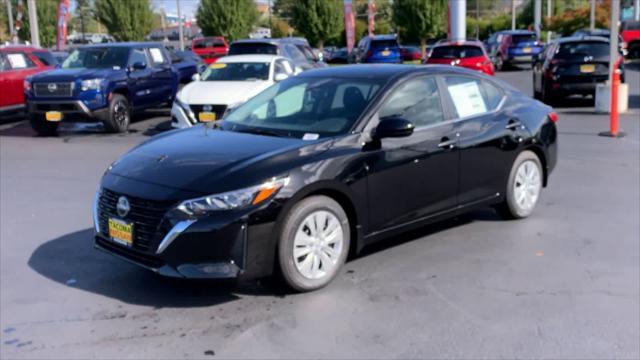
(446, 143)
(513, 124)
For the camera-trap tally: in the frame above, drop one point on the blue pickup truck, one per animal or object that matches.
(106, 82)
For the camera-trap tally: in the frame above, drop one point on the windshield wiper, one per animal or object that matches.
(257, 131)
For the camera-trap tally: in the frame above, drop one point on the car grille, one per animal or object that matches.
(217, 109)
(54, 89)
(145, 215)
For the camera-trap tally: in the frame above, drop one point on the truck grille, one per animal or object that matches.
(145, 215)
(217, 109)
(53, 89)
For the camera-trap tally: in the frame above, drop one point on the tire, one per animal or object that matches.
(547, 96)
(536, 94)
(119, 115)
(523, 187)
(313, 268)
(499, 63)
(43, 127)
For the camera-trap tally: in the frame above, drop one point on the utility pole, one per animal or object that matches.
(549, 13)
(180, 30)
(537, 16)
(33, 23)
(592, 16)
(513, 14)
(477, 19)
(457, 19)
(10, 18)
(636, 10)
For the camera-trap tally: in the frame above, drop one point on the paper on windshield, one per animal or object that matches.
(17, 61)
(156, 56)
(467, 99)
(310, 136)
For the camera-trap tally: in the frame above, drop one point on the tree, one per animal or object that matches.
(572, 20)
(232, 19)
(317, 20)
(84, 19)
(126, 20)
(420, 19)
(47, 18)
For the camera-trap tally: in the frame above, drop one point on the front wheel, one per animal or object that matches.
(119, 115)
(523, 188)
(314, 242)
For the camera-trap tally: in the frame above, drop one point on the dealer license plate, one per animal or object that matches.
(207, 116)
(53, 115)
(526, 50)
(121, 231)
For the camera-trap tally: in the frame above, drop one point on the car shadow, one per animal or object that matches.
(71, 260)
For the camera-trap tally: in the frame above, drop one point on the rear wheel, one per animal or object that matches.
(41, 126)
(119, 115)
(314, 242)
(523, 188)
(499, 63)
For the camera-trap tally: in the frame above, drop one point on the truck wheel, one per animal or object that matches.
(41, 126)
(119, 114)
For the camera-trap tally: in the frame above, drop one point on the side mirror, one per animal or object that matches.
(139, 65)
(195, 77)
(280, 76)
(393, 127)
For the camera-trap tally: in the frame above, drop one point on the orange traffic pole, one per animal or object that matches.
(614, 116)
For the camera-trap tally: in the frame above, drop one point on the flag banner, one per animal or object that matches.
(349, 24)
(63, 17)
(371, 10)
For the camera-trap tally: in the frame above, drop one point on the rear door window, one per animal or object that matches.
(156, 56)
(472, 97)
(17, 61)
(137, 55)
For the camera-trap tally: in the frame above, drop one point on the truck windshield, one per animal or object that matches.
(97, 57)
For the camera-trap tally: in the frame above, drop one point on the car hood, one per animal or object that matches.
(221, 92)
(74, 74)
(208, 161)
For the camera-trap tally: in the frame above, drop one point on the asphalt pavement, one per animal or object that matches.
(564, 283)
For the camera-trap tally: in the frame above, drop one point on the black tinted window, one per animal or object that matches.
(516, 39)
(384, 43)
(456, 52)
(207, 43)
(630, 25)
(568, 50)
(253, 48)
(46, 57)
(416, 100)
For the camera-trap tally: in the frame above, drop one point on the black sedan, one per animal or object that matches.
(320, 165)
(571, 66)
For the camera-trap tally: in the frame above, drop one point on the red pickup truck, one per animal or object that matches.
(16, 64)
(210, 48)
(630, 33)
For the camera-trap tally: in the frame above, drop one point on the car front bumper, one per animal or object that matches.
(72, 110)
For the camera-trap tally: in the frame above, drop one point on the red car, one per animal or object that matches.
(467, 54)
(410, 53)
(16, 64)
(210, 48)
(630, 33)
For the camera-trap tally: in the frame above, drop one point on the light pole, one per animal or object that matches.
(592, 15)
(180, 30)
(548, 19)
(33, 23)
(457, 19)
(537, 16)
(513, 14)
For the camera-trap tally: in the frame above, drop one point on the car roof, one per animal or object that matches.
(25, 48)
(384, 37)
(581, 38)
(384, 72)
(125, 44)
(516, 32)
(248, 58)
(257, 41)
(460, 43)
(594, 31)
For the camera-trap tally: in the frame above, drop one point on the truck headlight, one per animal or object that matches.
(232, 200)
(91, 84)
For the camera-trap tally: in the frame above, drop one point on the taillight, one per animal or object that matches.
(553, 116)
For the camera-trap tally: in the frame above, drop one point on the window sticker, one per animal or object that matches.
(17, 61)
(156, 56)
(467, 99)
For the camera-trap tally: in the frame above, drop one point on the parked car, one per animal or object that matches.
(327, 51)
(516, 47)
(186, 64)
(314, 57)
(630, 33)
(106, 83)
(210, 49)
(229, 82)
(278, 47)
(377, 49)
(410, 53)
(320, 165)
(16, 64)
(339, 56)
(467, 54)
(605, 33)
(571, 66)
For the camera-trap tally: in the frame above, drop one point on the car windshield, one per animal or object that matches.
(586, 48)
(241, 71)
(307, 107)
(207, 43)
(456, 52)
(253, 48)
(377, 44)
(518, 39)
(97, 57)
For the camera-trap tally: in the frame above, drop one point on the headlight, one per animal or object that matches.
(91, 84)
(26, 84)
(231, 200)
